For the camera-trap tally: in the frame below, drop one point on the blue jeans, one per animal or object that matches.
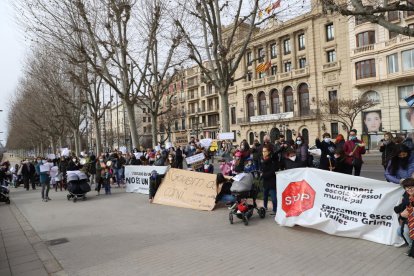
(118, 174)
(272, 195)
(228, 198)
(406, 234)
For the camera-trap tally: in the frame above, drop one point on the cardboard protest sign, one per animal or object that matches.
(339, 204)
(225, 136)
(181, 139)
(205, 143)
(137, 178)
(187, 189)
(196, 161)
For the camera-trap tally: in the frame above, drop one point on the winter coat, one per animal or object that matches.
(387, 152)
(349, 147)
(326, 149)
(302, 154)
(269, 167)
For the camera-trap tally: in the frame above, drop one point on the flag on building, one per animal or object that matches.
(263, 67)
(410, 100)
(273, 6)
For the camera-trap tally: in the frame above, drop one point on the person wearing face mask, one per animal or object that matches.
(280, 149)
(292, 161)
(74, 164)
(301, 149)
(63, 167)
(171, 161)
(28, 174)
(45, 179)
(207, 167)
(354, 149)
(269, 167)
(159, 160)
(387, 147)
(327, 148)
(340, 165)
(100, 171)
(401, 165)
(179, 158)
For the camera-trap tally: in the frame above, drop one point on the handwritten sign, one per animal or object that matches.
(181, 139)
(187, 189)
(195, 158)
(137, 178)
(226, 136)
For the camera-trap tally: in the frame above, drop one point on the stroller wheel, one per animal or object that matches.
(75, 199)
(231, 217)
(68, 197)
(262, 212)
(8, 201)
(84, 198)
(245, 220)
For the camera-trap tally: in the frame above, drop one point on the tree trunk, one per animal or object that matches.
(41, 152)
(130, 108)
(224, 102)
(98, 141)
(53, 142)
(77, 142)
(154, 120)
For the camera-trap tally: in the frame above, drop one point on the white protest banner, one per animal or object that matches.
(138, 155)
(195, 158)
(206, 143)
(339, 204)
(64, 151)
(51, 156)
(187, 189)
(168, 145)
(225, 136)
(137, 178)
(123, 150)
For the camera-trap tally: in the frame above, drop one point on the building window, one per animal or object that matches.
(145, 129)
(144, 119)
(143, 110)
(249, 58)
(393, 15)
(408, 59)
(286, 46)
(410, 3)
(261, 75)
(251, 138)
(365, 69)
(333, 99)
(288, 66)
(365, 38)
(302, 62)
(360, 20)
(233, 115)
(260, 54)
(273, 50)
(262, 103)
(182, 124)
(301, 41)
(304, 99)
(391, 35)
(250, 105)
(275, 101)
(176, 125)
(392, 63)
(288, 97)
(149, 119)
(249, 76)
(331, 56)
(330, 33)
(334, 130)
(273, 70)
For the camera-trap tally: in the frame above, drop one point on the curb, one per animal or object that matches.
(49, 261)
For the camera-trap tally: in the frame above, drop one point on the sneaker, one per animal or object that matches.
(44, 200)
(272, 214)
(48, 198)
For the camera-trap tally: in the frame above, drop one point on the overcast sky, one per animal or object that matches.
(12, 48)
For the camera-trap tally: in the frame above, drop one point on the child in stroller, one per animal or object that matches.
(243, 188)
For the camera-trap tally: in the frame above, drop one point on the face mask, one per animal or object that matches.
(249, 164)
(293, 158)
(206, 166)
(298, 142)
(336, 155)
(38, 161)
(170, 158)
(192, 147)
(242, 147)
(352, 137)
(327, 140)
(74, 160)
(158, 157)
(100, 160)
(44, 161)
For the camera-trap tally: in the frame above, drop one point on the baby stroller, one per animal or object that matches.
(244, 188)
(78, 185)
(4, 194)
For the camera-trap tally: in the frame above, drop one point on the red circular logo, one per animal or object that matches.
(297, 198)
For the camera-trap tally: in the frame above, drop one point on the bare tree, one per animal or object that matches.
(344, 111)
(375, 11)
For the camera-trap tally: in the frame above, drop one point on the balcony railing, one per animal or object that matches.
(365, 48)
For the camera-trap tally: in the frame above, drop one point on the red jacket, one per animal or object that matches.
(349, 147)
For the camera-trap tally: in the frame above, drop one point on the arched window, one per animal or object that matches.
(251, 138)
(304, 99)
(288, 135)
(288, 97)
(250, 105)
(305, 135)
(262, 135)
(373, 96)
(262, 103)
(274, 134)
(274, 99)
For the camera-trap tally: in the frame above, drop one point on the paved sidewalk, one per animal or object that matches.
(21, 250)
